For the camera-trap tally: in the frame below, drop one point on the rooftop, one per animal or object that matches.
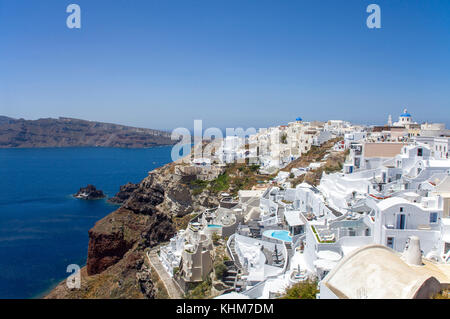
(377, 272)
(293, 218)
(392, 201)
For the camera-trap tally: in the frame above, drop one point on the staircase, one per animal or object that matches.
(230, 278)
(233, 253)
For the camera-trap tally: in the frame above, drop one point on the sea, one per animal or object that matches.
(43, 229)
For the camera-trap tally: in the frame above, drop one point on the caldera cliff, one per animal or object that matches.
(116, 265)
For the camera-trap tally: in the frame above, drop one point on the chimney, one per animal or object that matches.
(412, 253)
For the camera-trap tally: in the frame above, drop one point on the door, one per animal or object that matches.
(401, 221)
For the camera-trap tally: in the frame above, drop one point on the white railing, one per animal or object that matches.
(231, 238)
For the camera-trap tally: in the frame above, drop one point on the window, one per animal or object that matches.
(420, 152)
(390, 242)
(401, 209)
(433, 218)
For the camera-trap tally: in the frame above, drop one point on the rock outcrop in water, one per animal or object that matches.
(89, 192)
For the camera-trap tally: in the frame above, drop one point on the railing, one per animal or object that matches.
(233, 257)
(427, 227)
(230, 239)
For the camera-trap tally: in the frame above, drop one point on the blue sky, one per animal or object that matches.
(250, 63)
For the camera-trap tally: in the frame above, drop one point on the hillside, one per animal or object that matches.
(116, 265)
(69, 132)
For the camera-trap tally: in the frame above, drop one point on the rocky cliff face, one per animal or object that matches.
(124, 193)
(116, 264)
(68, 132)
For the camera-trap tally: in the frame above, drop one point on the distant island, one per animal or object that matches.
(70, 132)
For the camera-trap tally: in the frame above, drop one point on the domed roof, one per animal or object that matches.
(377, 272)
(405, 113)
(299, 119)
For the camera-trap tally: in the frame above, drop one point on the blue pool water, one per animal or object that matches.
(214, 226)
(42, 228)
(278, 234)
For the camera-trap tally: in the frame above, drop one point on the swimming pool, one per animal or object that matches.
(214, 226)
(282, 235)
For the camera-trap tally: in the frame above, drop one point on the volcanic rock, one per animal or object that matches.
(89, 192)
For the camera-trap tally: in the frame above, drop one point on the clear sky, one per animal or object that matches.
(250, 63)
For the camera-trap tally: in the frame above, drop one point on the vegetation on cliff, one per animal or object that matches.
(237, 176)
(333, 163)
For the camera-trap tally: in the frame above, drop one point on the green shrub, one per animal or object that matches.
(221, 183)
(215, 239)
(302, 290)
(198, 186)
(201, 290)
(219, 270)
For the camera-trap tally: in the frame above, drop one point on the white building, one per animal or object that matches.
(405, 119)
(439, 145)
(170, 255)
(354, 137)
(396, 219)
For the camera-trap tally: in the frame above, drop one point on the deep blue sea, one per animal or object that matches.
(42, 228)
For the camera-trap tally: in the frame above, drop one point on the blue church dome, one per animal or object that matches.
(299, 119)
(405, 114)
